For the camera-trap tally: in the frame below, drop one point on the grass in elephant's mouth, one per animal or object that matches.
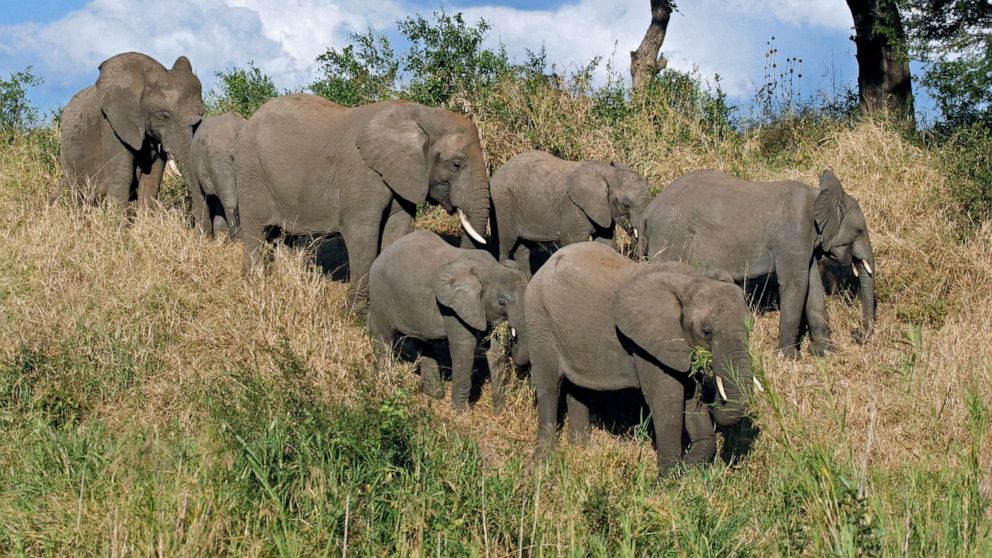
(155, 400)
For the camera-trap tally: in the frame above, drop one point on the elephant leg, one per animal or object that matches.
(201, 210)
(547, 377)
(255, 220)
(150, 182)
(522, 256)
(462, 343)
(382, 334)
(607, 237)
(399, 222)
(816, 313)
(579, 426)
(665, 396)
(497, 375)
(361, 239)
(700, 428)
(430, 374)
(793, 278)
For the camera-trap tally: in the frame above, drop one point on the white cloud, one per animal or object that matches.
(285, 36)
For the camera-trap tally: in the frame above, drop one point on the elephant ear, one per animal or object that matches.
(827, 208)
(648, 310)
(121, 84)
(588, 189)
(395, 145)
(460, 289)
(182, 63)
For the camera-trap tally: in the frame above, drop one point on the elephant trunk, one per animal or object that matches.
(864, 265)
(473, 211)
(734, 374)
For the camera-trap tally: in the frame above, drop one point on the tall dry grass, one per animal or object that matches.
(157, 401)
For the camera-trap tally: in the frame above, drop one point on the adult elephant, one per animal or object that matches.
(118, 134)
(538, 197)
(212, 177)
(308, 166)
(604, 322)
(716, 221)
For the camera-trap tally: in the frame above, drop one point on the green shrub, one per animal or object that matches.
(242, 91)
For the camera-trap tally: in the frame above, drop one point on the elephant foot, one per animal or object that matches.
(822, 349)
(790, 353)
(498, 405)
(701, 451)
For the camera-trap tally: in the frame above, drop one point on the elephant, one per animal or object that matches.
(716, 221)
(211, 179)
(423, 288)
(538, 197)
(604, 322)
(118, 135)
(309, 166)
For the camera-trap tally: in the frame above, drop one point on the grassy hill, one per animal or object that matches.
(155, 400)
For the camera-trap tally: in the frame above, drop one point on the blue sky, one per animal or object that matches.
(65, 40)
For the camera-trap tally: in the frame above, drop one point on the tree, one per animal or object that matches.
(647, 60)
(363, 72)
(884, 79)
(242, 90)
(16, 112)
(954, 38)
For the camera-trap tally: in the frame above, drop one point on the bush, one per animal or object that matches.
(967, 158)
(242, 91)
(16, 112)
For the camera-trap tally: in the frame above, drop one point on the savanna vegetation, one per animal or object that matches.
(155, 400)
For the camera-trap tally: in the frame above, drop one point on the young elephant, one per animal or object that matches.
(604, 322)
(538, 197)
(715, 221)
(211, 182)
(423, 288)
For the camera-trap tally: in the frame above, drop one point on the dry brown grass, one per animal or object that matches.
(88, 280)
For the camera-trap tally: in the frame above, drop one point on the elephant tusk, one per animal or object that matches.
(468, 228)
(719, 387)
(757, 385)
(170, 164)
(867, 268)
(513, 332)
(854, 268)
(635, 233)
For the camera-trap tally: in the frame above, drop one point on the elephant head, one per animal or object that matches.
(142, 99)
(423, 152)
(483, 293)
(610, 193)
(843, 237)
(670, 308)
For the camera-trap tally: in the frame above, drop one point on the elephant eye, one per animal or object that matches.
(456, 165)
(707, 331)
(501, 301)
(164, 115)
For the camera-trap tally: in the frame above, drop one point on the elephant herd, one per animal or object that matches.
(589, 319)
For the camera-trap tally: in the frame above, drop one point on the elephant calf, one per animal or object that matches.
(715, 221)
(604, 322)
(538, 197)
(423, 288)
(211, 180)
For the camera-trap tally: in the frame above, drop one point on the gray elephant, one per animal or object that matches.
(212, 178)
(715, 221)
(423, 288)
(603, 322)
(309, 166)
(118, 134)
(538, 197)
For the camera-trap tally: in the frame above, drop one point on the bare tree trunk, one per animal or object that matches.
(647, 60)
(884, 79)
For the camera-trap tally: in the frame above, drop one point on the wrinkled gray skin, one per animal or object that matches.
(538, 197)
(604, 322)
(715, 221)
(309, 166)
(118, 134)
(211, 179)
(423, 288)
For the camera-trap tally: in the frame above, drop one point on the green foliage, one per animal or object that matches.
(954, 38)
(363, 72)
(967, 156)
(242, 91)
(16, 112)
(445, 60)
